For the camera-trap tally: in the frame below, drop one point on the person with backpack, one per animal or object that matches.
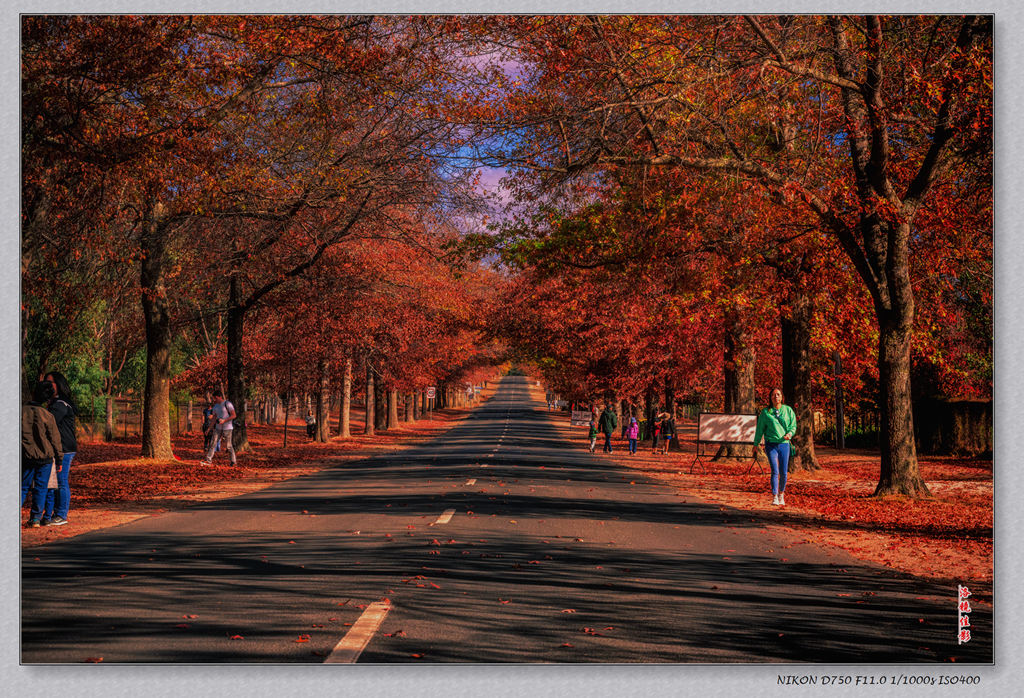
(40, 449)
(607, 425)
(223, 428)
(777, 424)
(632, 433)
(62, 407)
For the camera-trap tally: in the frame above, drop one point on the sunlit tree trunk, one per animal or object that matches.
(392, 409)
(371, 417)
(156, 413)
(323, 399)
(344, 420)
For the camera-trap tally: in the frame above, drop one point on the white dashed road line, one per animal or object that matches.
(445, 517)
(349, 648)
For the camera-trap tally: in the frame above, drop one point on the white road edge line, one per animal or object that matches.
(349, 648)
(445, 517)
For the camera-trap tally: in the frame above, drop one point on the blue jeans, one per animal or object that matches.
(632, 445)
(220, 435)
(778, 457)
(608, 442)
(62, 495)
(35, 474)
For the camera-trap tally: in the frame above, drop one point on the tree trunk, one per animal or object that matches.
(796, 376)
(380, 398)
(899, 473)
(392, 409)
(344, 420)
(410, 407)
(423, 403)
(650, 411)
(371, 390)
(236, 364)
(108, 422)
(156, 414)
(740, 390)
(323, 402)
(670, 399)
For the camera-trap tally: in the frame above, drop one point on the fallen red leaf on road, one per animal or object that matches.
(504, 600)
(236, 637)
(569, 610)
(93, 660)
(190, 615)
(302, 638)
(183, 626)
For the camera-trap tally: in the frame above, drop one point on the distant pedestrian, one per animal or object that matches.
(223, 428)
(592, 435)
(777, 424)
(62, 407)
(40, 449)
(607, 425)
(632, 433)
(655, 423)
(668, 431)
(209, 422)
(310, 425)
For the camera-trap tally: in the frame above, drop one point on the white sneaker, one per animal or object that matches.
(775, 500)
(782, 498)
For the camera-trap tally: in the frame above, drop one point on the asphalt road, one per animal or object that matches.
(546, 554)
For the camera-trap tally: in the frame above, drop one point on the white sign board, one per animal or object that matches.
(715, 427)
(580, 418)
(431, 393)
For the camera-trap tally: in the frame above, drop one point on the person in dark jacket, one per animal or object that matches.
(62, 407)
(40, 448)
(668, 431)
(655, 423)
(209, 421)
(607, 424)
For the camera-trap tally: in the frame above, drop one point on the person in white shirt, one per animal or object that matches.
(223, 428)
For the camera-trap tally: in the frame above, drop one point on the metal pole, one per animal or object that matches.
(840, 431)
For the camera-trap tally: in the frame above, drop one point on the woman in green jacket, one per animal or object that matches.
(777, 424)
